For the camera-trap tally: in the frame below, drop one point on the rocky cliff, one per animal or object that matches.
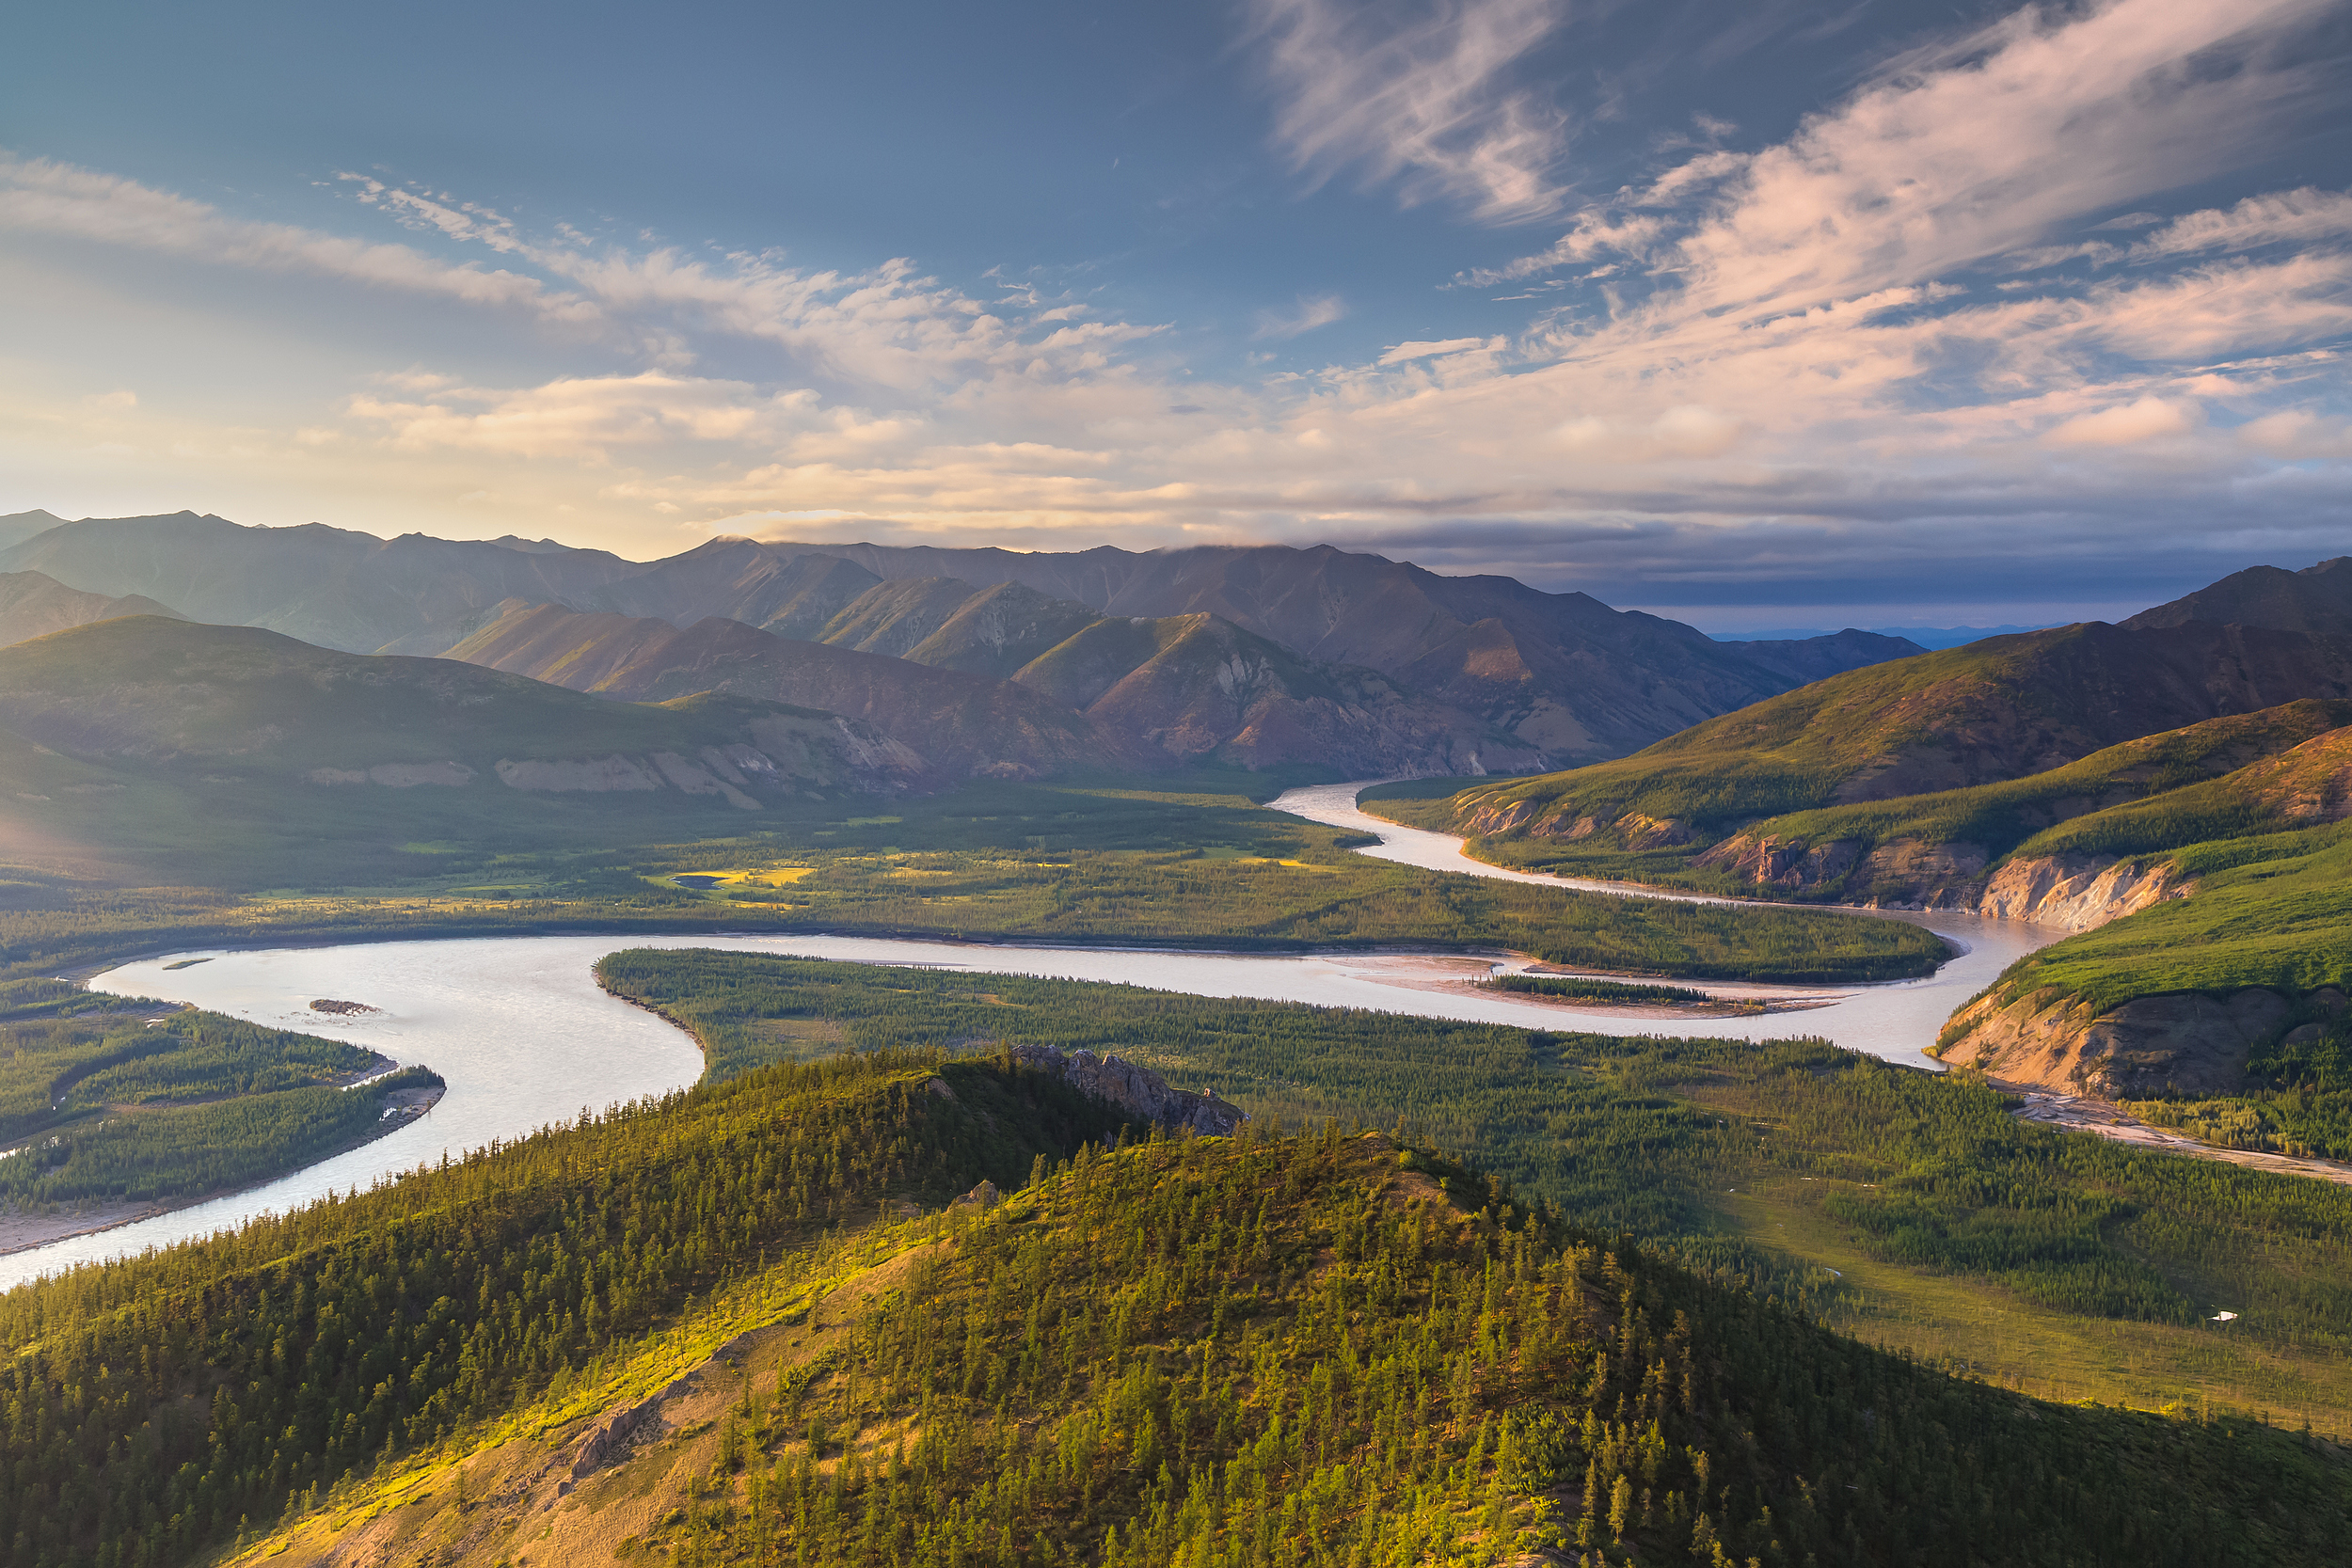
(1137, 1090)
(2185, 1043)
(2079, 892)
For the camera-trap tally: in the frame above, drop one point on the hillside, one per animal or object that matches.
(154, 736)
(961, 726)
(32, 606)
(1998, 710)
(2247, 772)
(2226, 1008)
(1561, 674)
(739, 581)
(1117, 694)
(2315, 599)
(1169, 1349)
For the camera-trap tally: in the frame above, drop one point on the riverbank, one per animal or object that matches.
(26, 1229)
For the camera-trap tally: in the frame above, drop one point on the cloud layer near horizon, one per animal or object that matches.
(1930, 326)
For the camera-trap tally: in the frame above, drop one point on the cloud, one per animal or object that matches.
(38, 196)
(2305, 217)
(1306, 316)
(1404, 351)
(1979, 147)
(2127, 423)
(2298, 434)
(1418, 96)
(1821, 361)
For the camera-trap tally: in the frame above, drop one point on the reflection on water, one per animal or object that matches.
(524, 1037)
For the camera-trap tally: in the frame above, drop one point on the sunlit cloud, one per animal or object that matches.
(1419, 98)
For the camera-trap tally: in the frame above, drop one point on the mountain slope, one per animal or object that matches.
(2315, 599)
(1563, 672)
(1199, 688)
(739, 580)
(331, 587)
(2003, 708)
(150, 735)
(999, 630)
(1936, 849)
(891, 618)
(32, 605)
(1118, 694)
(960, 725)
(16, 527)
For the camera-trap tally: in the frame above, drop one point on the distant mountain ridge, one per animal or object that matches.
(1564, 676)
(959, 725)
(1117, 694)
(2317, 599)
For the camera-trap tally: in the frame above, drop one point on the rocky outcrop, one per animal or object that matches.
(2079, 892)
(1140, 1091)
(1783, 866)
(2185, 1043)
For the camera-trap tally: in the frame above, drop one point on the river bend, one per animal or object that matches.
(524, 1037)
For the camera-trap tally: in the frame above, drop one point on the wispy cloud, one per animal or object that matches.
(1421, 96)
(1307, 314)
(40, 195)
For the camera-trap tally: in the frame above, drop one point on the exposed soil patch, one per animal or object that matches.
(2081, 1114)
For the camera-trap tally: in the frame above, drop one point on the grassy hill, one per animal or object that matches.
(142, 745)
(2003, 708)
(2221, 779)
(699, 1329)
(32, 605)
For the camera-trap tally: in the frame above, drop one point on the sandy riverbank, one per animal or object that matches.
(2108, 1120)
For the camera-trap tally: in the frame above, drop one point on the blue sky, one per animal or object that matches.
(1757, 315)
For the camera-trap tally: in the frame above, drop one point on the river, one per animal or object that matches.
(524, 1037)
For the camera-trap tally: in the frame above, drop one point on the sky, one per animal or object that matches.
(1760, 315)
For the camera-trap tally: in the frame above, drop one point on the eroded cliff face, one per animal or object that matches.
(2151, 1045)
(2073, 892)
(2079, 892)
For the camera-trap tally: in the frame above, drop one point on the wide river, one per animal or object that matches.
(524, 1037)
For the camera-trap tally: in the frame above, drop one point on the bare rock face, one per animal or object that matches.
(2079, 892)
(2151, 1045)
(1786, 866)
(1140, 1091)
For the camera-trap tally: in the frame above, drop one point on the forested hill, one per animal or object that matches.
(1252, 1350)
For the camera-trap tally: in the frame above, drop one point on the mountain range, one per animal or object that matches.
(1340, 659)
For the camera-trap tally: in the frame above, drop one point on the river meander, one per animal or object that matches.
(524, 1037)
